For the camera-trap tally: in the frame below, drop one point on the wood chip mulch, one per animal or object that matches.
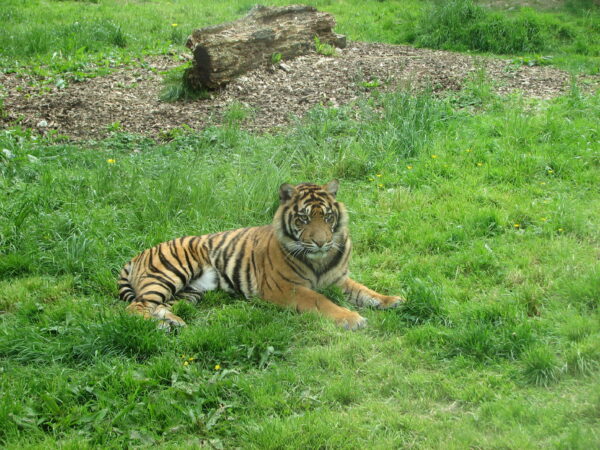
(275, 95)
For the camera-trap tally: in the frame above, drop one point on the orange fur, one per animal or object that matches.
(307, 247)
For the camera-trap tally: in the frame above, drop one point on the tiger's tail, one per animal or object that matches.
(126, 291)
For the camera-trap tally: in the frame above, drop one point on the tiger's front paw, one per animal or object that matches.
(167, 320)
(352, 321)
(391, 301)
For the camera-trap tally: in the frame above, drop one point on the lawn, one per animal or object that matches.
(482, 210)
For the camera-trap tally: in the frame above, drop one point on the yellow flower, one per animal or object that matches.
(371, 179)
(110, 161)
(560, 230)
(517, 225)
(191, 358)
(185, 363)
(173, 24)
(550, 171)
(380, 185)
(434, 156)
(378, 175)
(544, 219)
(218, 367)
(480, 164)
(543, 183)
(409, 167)
(468, 150)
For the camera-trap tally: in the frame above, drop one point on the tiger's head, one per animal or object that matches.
(309, 221)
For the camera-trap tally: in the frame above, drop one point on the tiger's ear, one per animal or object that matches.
(332, 187)
(285, 192)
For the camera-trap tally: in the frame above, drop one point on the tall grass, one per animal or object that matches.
(464, 25)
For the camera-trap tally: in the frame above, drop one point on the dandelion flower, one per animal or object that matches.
(378, 175)
(110, 161)
(380, 185)
(173, 24)
(560, 230)
(550, 171)
(480, 164)
(517, 225)
(409, 167)
(468, 150)
(434, 156)
(218, 367)
(186, 363)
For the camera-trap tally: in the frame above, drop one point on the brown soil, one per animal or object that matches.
(274, 94)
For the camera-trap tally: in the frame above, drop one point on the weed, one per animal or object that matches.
(535, 60)
(583, 358)
(375, 83)
(275, 58)
(323, 48)
(424, 304)
(175, 87)
(541, 366)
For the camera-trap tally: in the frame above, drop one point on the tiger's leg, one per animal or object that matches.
(360, 295)
(151, 305)
(304, 299)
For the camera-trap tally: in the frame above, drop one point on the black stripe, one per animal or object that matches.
(287, 279)
(231, 246)
(269, 256)
(252, 254)
(229, 283)
(237, 272)
(277, 286)
(186, 268)
(248, 279)
(160, 294)
(296, 268)
(172, 268)
(172, 245)
(284, 226)
(191, 245)
(338, 219)
(187, 259)
(161, 280)
(219, 244)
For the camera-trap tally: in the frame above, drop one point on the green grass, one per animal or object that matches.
(482, 210)
(486, 222)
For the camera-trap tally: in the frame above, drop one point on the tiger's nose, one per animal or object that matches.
(319, 243)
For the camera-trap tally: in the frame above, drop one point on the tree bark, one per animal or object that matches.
(223, 52)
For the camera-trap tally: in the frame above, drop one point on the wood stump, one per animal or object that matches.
(223, 52)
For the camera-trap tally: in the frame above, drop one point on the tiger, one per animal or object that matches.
(305, 249)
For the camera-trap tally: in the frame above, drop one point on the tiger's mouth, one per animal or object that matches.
(313, 251)
(309, 250)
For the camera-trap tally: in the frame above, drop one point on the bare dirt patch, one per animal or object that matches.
(130, 96)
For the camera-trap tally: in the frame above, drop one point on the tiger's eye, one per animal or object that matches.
(329, 217)
(303, 218)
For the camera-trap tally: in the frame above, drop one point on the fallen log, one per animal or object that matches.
(223, 52)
